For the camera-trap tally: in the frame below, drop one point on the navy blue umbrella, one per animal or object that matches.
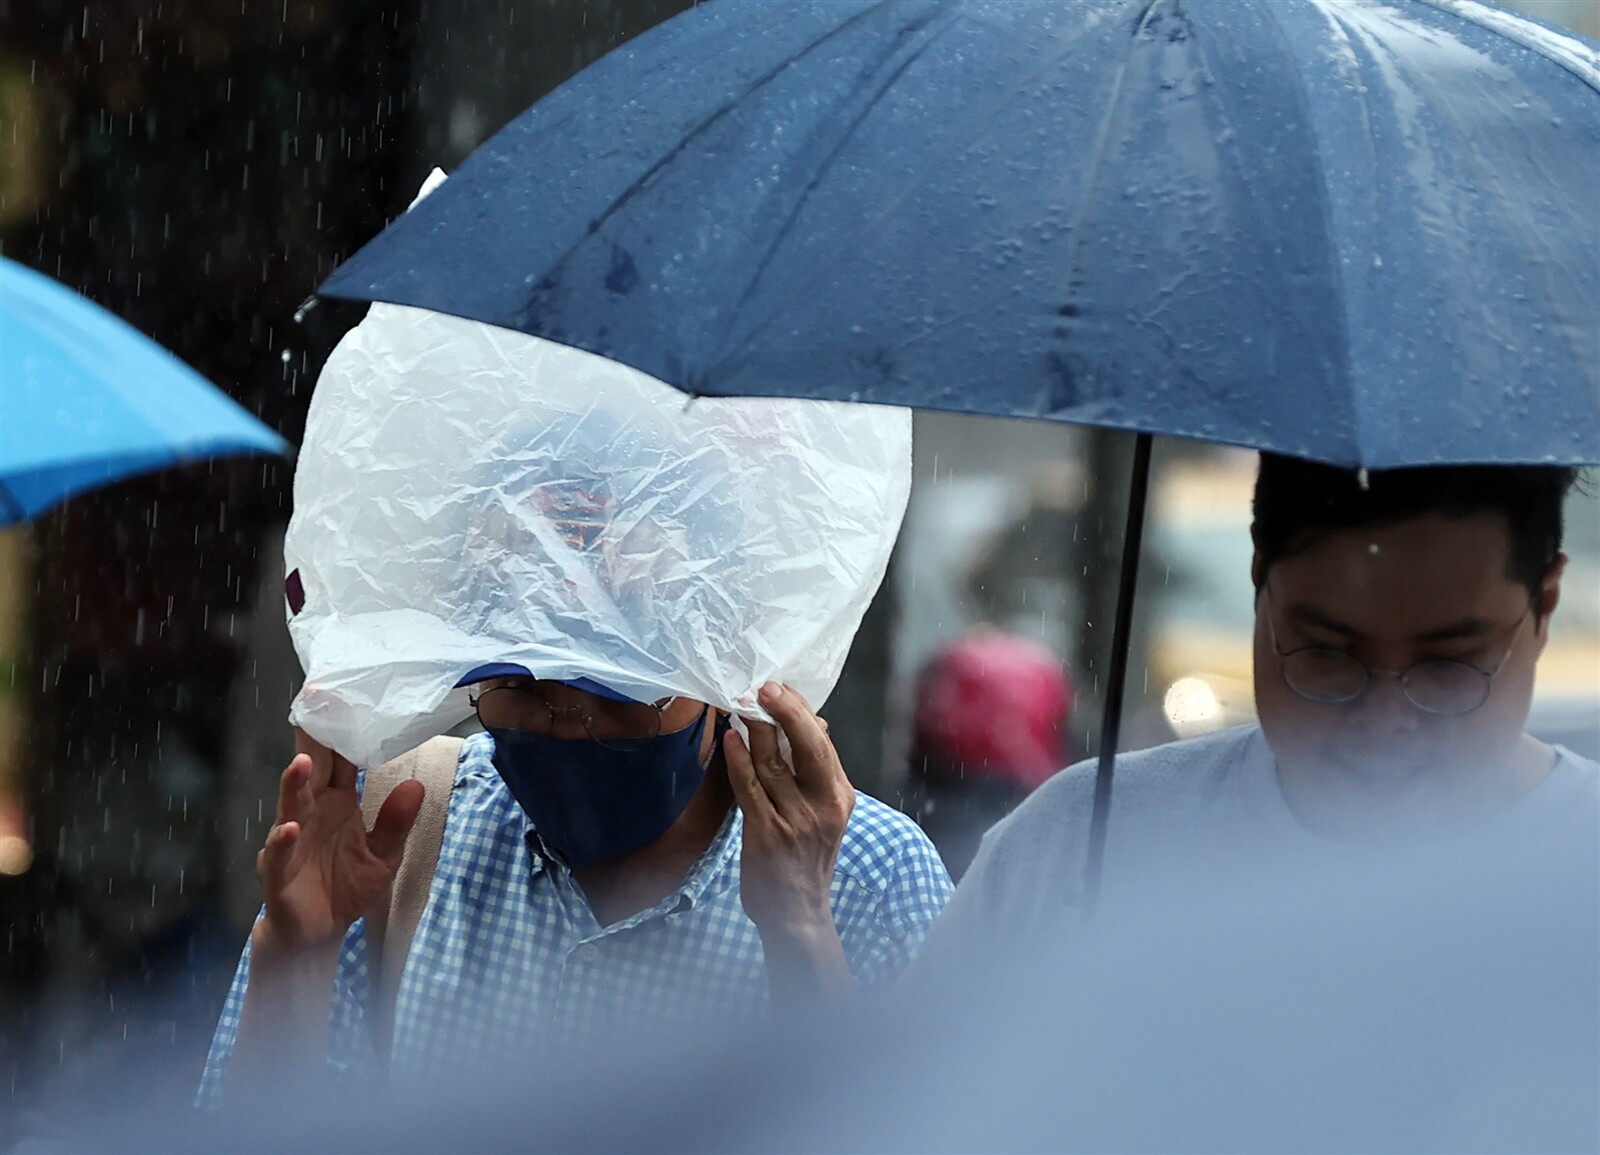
(1364, 233)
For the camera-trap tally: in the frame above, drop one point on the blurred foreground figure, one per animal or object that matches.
(1399, 620)
(990, 727)
(1434, 999)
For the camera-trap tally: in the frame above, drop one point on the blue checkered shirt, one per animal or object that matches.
(508, 949)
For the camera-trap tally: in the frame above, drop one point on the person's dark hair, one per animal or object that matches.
(1299, 501)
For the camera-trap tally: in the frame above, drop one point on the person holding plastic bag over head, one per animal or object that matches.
(608, 576)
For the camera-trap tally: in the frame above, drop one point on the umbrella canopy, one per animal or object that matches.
(1363, 233)
(86, 399)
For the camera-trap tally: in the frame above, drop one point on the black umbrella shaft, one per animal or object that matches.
(1117, 676)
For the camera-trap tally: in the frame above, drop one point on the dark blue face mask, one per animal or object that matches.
(588, 802)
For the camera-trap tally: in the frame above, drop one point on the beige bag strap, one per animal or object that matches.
(392, 923)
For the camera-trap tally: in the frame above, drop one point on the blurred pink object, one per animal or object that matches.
(993, 705)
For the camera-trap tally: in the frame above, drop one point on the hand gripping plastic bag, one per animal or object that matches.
(467, 496)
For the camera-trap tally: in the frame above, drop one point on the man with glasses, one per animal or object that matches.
(1399, 620)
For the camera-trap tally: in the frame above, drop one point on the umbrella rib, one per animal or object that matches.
(1486, 177)
(1489, 177)
(1102, 145)
(639, 184)
(830, 158)
(868, 222)
(1335, 266)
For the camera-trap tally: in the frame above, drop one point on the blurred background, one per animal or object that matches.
(197, 166)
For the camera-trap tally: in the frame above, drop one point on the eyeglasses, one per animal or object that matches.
(1436, 686)
(527, 707)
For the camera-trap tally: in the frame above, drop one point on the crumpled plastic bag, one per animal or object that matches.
(466, 495)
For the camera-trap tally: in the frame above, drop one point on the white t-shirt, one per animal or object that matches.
(1183, 806)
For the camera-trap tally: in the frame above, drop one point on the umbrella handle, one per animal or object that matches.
(1122, 629)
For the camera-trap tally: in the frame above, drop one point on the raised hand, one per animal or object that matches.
(794, 822)
(320, 868)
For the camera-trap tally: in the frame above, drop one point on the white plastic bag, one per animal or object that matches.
(466, 495)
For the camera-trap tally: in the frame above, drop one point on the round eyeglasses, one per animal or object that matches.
(527, 707)
(1444, 686)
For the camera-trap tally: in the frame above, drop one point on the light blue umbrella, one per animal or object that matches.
(86, 399)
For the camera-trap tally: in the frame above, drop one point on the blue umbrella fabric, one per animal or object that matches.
(1364, 233)
(86, 399)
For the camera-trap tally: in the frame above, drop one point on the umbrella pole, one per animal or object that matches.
(1117, 676)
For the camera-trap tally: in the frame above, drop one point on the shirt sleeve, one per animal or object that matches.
(350, 1048)
(910, 884)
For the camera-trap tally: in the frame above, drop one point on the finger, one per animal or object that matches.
(752, 797)
(293, 790)
(773, 769)
(793, 697)
(276, 856)
(816, 763)
(321, 758)
(387, 838)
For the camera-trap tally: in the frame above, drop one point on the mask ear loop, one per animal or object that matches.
(724, 723)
